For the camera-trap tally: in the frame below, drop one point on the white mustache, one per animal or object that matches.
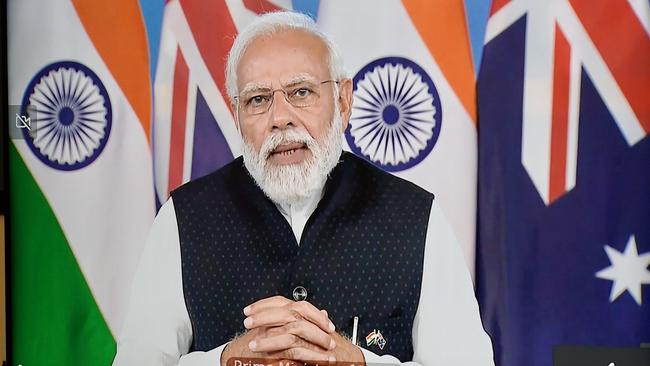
(286, 137)
(295, 182)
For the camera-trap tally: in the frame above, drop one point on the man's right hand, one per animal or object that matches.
(238, 347)
(284, 329)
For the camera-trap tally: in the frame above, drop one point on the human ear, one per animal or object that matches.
(345, 101)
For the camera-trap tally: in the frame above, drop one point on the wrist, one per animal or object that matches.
(224, 355)
(230, 350)
(361, 357)
(351, 353)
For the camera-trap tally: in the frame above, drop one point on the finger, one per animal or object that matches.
(305, 331)
(311, 333)
(311, 313)
(275, 343)
(272, 317)
(269, 302)
(305, 355)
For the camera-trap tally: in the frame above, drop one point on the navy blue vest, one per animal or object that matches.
(360, 254)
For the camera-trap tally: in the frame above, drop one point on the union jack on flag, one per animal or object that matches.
(607, 40)
(564, 169)
(194, 132)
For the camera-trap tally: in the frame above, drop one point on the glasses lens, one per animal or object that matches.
(302, 95)
(256, 102)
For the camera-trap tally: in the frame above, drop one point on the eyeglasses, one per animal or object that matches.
(300, 95)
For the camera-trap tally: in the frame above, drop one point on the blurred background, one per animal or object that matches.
(528, 120)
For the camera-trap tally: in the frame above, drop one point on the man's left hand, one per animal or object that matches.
(298, 331)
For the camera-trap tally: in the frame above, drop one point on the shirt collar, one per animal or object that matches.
(305, 208)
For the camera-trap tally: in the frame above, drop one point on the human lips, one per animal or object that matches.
(288, 149)
(289, 153)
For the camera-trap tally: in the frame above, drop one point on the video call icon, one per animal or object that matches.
(23, 122)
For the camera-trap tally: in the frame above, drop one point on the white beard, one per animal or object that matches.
(293, 183)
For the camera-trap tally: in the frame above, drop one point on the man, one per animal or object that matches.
(296, 247)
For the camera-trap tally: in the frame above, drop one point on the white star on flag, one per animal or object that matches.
(628, 271)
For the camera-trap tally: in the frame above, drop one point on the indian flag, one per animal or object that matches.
(81, 181)
(414, 111)
(371, 338)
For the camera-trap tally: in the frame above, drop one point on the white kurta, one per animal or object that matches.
(447, 329)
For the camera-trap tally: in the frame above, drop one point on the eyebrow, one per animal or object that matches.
(253, 87)
(297, 79)
(300, 78)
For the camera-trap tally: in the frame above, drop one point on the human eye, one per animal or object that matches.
(302, 92)
(256, 100)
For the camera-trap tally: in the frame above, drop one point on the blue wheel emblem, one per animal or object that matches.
(396, 115)
(71, 114)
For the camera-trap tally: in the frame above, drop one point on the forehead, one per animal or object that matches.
(283, 56)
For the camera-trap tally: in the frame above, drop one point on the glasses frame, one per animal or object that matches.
(237, 98)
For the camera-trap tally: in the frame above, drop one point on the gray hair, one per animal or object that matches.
(269, 24)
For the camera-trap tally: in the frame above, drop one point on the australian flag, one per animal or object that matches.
(564, 177)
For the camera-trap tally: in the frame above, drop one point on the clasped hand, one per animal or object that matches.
(282, 329)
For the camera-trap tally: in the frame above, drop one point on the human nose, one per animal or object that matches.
(281, 115)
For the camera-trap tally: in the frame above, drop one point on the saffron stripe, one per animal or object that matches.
(117, 31)
(452, 52)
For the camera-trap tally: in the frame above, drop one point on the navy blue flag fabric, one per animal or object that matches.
(564, 177)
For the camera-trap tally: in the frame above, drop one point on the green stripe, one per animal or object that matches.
(55, 320)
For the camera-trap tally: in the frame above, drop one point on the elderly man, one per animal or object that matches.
(297, 250)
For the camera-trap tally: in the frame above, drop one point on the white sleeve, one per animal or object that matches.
(157, 329)
(447, 329)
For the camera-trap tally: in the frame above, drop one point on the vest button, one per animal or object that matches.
(299, 293)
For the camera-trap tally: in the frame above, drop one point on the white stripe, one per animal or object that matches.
(240, 15)
(538, 95)
(284, 4)
(504, 18)
(575, 71)
(164, 93)
(189, 128)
